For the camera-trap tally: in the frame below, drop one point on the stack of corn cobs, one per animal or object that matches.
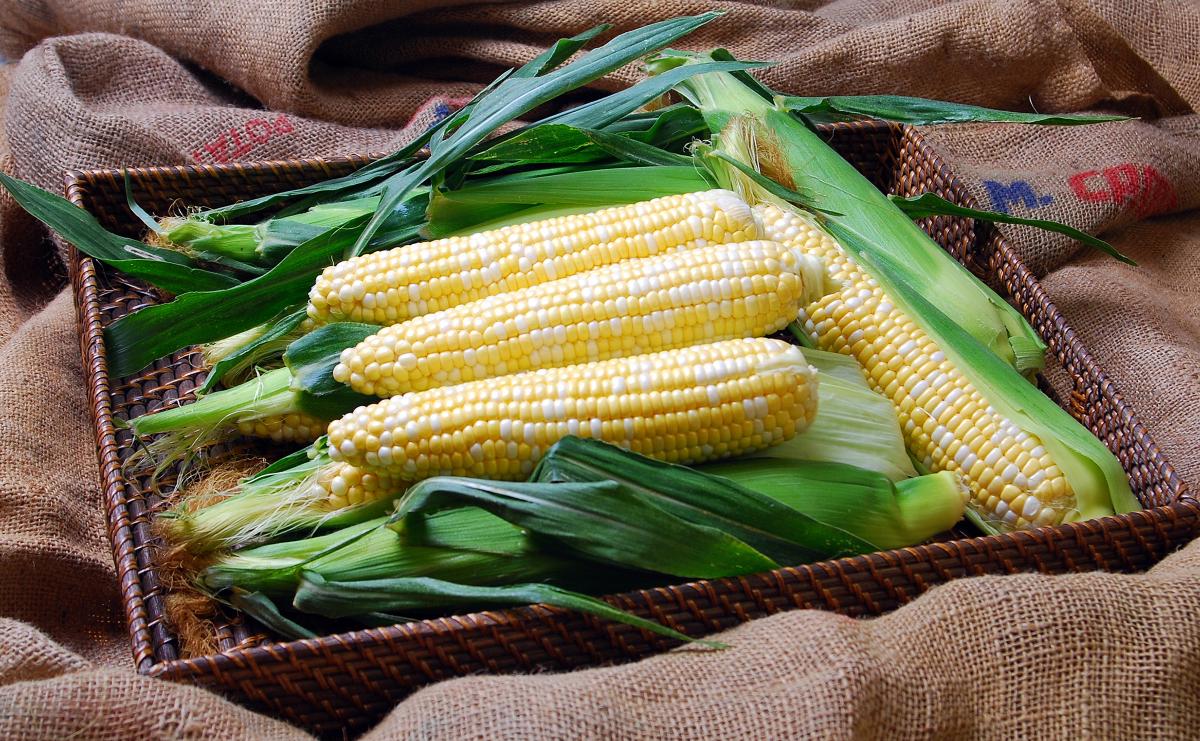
(549, 364)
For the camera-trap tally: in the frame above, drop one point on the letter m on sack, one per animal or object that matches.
(1005, 196)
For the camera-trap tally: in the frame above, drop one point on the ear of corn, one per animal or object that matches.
(467, 545)
(787, 151)
(495, 203)
(260, 243)
(699, 403)
(930, 336)
(391, 286)
(862, 502)
(719, 292)
(861, 426)
(694, 404)
(281, 499)
(464, 557)
(1025, 460)
(265, 407)
(593, 518)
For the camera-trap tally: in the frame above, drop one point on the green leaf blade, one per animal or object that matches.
(925, 111)
(559, 52)
(167, 269)
(346, 599)
(931, 204)
(518, 95)
(260, 607)
(312, 358)
(600, 519)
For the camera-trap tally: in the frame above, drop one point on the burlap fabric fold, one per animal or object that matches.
(95, 84)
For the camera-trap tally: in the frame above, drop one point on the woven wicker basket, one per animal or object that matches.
(346, 682)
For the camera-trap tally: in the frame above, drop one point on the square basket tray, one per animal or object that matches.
(344, 683)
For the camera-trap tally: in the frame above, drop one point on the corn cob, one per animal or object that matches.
(712, 293)
(394, 285)
(700, 403)
(264, 406)
(293, 427)
(947, 423)
(719, 292)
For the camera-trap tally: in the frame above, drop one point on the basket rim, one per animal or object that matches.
(1186, 508)
(83, 275)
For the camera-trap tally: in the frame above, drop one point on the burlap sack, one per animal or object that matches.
(989, 658)
(1097, 178)
(1092, 655)
(1121, 181)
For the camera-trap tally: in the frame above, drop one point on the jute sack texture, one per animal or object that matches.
(101, 84)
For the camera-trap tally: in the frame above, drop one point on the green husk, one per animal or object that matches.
(199, 317)
(670, 129)
(232, 359)
(934, 290)
(588, 508)
(213, 414)
(854, 425)
(454, 541)
(607, 521)
(861, 502)
(179, 433)
(494, 202)
(273, 569)
(465, 557)
(786, 535)
(788, 152)
(239, 241)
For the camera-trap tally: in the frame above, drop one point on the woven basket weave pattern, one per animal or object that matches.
(350, 680)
